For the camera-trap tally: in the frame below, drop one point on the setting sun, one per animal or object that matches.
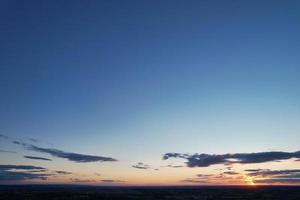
(249, 180)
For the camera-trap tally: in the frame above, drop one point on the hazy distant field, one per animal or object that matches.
(147, 193)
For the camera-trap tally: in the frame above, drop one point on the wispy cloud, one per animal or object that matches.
(20, 167)
(194, 181)
(204, 175)
(77, 180)
(221, 178)
(268, 172)
(174, 166)
(258, 176)
(76, 157)
(268, 176)
(199, 179)
(141, 165)
(63, 172)
(205, 160)
(4, 136)
(279, 180)
(231, 173)
(33, 140)
(7, 151)
(111, 181)
(37, 158)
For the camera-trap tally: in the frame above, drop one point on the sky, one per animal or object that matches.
(147, 92)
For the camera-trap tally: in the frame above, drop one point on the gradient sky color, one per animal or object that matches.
(133, 80)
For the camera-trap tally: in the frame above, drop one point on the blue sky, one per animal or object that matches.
(137, 79)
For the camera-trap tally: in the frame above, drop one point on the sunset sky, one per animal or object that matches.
(150, 92)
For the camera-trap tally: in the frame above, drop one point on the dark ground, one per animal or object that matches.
(148, 193)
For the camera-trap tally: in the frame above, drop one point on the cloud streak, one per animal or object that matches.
(37, 158)
(63, 172)
(6, 151)
(174, 166)
(75, 157)
(20, 167)
(279, 180)
(77, 180)
(194, 181)
(231, 173)
(268, 172)
(111, 181)
(206, 160)
(267, 176)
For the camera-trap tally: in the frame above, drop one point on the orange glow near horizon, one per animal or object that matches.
(249, 180)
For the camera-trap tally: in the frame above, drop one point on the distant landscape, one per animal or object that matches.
(57, 192)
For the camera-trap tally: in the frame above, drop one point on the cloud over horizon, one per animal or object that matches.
(268, 172)
(111, 181)
(77, 180)
(22, 172)
(206, 160)
(275, 176)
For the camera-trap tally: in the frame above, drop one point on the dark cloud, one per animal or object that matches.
(221, 178)
(254, 170)
(275, 176)
(278, 180)
(111, 181)
(204, 175)
(268, 172)
(22, 172)
(38, 170)
(18, 176)
(20, 167)
(37, 158)
(174, 166)
(201, 178)
(19, 143)
(291, 176)
(174, 155)
(63, 172)
(194, 181)
(141, 165)
(77, 180)
(76, 157)
(230, 173)
(205, 160)
(71, 156)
